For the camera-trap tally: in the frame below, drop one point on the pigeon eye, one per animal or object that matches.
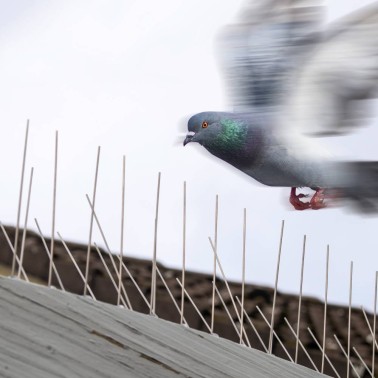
(204, 124)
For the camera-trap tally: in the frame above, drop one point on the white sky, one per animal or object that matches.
(124, 75)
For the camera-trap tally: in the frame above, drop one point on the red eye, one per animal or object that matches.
(204, 124)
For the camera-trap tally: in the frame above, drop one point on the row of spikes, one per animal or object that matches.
(123, 299)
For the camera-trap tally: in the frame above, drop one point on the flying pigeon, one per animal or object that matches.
(292, 78)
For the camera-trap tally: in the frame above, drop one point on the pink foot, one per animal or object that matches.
(295, 200)
(317, 200)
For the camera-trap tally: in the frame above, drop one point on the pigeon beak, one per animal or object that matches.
(189, 137)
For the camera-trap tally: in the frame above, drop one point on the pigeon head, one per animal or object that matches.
(217, 131)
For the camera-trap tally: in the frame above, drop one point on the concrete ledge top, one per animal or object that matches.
(49, 333)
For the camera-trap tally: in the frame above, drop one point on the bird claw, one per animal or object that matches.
(295, 200)
(302, 195)
(317, 201)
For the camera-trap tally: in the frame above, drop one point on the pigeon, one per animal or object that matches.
(292, 80)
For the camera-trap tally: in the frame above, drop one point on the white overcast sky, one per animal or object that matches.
(124, 75)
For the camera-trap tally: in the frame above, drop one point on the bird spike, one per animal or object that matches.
(117, 288)
(349, 313)
(153, 274)
(76, 266)
(325, 308)
(301, 344)
(25, 224)
(374, 322)
(346, 355)
(136, 285)
(194, 305)
(53, 210)
(325, 355)
(243, 276)
(300, 298)
(253, 326)
(91, 221)
(14, 252)
(362, 361)
(172, 297)
(113, 263)
(122, 229)
(275, 289)
(274, 333)
(108, 249)
(226, 283)
(214, 262)
(368, 324)
(57, 275)
(183, 255)
(20, 199)
(240, 335)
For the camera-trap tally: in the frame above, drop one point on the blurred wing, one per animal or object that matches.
(261, 51)
(328, 95)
